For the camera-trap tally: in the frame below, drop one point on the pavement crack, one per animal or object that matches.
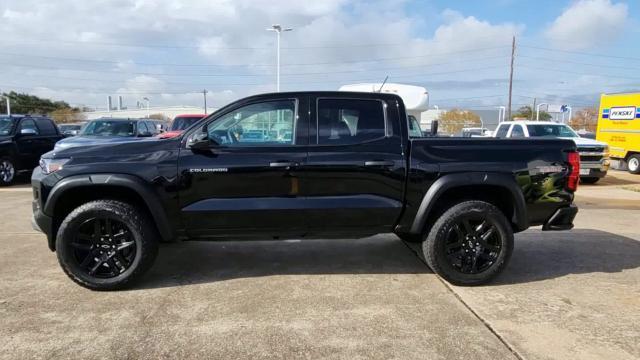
(486, 323)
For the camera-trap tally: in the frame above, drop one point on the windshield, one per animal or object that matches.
(181, 123)
(110, 128)
(6, 125)
(551, 130)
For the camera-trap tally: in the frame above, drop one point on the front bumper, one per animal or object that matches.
(594, 168)
(562, 219)
(41, 221)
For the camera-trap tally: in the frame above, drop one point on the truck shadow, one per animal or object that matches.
(548, 255)
(537, 256)
(204, 262)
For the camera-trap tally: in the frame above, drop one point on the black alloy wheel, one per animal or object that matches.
(469, 244)
(103, 247)
(106, 244)
(7, 171)
(473, 244)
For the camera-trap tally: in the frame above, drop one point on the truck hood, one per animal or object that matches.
(93, 140)
(586, 142)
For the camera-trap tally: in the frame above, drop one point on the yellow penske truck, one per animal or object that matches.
(619, 126)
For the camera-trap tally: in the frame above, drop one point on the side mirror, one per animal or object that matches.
(434, 128)
(145, 134)
(28, 132)
(200, 141)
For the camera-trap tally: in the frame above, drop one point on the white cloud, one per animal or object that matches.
(588, 23)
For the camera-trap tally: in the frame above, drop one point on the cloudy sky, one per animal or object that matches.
(169, 50)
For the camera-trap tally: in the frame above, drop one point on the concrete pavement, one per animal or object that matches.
(565, 295)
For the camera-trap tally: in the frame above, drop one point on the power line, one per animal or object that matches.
(342, 80)
(251, 64)
(580, 53)
(252, 75)
(267, 47)
(576, 62)
(579, 73)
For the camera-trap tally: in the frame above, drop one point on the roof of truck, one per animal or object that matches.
(531, 122)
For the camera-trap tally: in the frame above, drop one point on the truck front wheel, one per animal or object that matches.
(106, 244)
(469, 244)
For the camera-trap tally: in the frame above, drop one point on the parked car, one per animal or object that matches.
(23, 139)
(476, 132)
(594, 155)
(105, 208)
(110, 131)
(181, 123)
(70, 129)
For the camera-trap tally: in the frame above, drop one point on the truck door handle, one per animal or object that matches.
(282, 164)
(378, 163)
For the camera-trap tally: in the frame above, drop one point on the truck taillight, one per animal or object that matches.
(574, 171)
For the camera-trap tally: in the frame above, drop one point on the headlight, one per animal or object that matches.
(49, 166)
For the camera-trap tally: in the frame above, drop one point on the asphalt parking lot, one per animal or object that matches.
(564, 295)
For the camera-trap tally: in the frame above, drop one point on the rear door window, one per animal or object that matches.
(502, 130)
(517, 131)
(46, 127)
(349, 121)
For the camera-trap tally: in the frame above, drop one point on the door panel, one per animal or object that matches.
(250, 182)
(358, 185)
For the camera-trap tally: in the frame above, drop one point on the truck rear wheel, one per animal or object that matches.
(106, 244)
(469, 244)
(633, 164)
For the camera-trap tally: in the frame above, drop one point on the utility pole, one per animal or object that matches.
(278, 29)
(513, 53)
(533, 107)
(204, 94)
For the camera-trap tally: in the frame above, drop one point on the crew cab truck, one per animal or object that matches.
(346, 168)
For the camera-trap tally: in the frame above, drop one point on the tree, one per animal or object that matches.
(454, 120)
(526, 113)
(67, 115)
(31, 104)
(159, 116)
(586, 119)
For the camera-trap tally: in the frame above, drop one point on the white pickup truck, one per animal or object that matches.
(594, 155)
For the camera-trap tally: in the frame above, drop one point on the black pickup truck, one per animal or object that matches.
(23, 139)
(302, 165)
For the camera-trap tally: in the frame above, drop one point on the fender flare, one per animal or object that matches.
(146, 192)
(451, 181)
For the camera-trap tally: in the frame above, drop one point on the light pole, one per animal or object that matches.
(501, 112)
(147, 100)
(538, 110)
(278, 29)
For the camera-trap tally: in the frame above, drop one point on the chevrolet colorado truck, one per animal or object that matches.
(302, 165)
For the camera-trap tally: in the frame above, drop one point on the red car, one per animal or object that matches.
(181, 123)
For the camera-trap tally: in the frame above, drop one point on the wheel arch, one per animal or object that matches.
(498, 189)
(73, 191)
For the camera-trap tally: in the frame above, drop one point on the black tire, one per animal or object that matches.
(449, 257)
(411, 238)
(589, 180)
(107, 253)
(633, 164)
(8, 171)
